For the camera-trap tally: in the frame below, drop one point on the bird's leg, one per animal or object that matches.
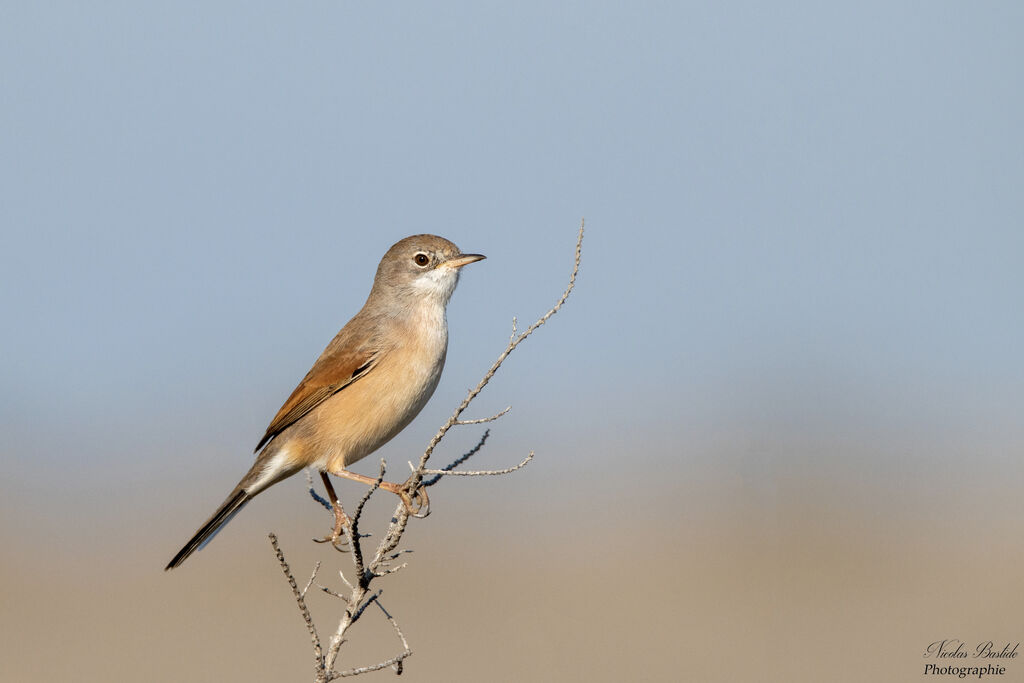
(337, 536)
(418, 508)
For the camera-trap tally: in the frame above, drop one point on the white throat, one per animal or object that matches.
(438, 284)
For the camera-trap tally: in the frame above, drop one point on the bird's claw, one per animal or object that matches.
(419, 508)
(336, 540)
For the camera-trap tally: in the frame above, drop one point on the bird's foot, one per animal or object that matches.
(414, 497)
(338, 538)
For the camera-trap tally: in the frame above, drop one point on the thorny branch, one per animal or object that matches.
(300, 598)
(367, 568)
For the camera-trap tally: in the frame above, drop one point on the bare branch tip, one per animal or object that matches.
(482, 420)
(481, 473)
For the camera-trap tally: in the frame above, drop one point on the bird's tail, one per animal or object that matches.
(235, 502)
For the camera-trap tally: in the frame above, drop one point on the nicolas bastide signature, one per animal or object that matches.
(954, 648)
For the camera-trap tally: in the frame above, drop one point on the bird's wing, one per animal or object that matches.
(341, 363)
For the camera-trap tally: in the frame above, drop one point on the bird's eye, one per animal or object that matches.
(421, 259)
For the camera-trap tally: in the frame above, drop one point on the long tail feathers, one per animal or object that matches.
(229, 509)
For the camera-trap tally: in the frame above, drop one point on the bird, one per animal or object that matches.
(369, 383)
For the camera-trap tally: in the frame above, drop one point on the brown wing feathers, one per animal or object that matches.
(331, 373)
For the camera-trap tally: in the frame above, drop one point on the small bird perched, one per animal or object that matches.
(368, 384)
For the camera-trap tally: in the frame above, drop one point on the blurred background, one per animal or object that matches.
(777, 425)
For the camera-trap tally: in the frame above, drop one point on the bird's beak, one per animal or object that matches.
(463, 260)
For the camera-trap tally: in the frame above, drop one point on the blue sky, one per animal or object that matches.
(196, 199)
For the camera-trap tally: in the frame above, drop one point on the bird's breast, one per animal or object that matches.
(368, 413)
